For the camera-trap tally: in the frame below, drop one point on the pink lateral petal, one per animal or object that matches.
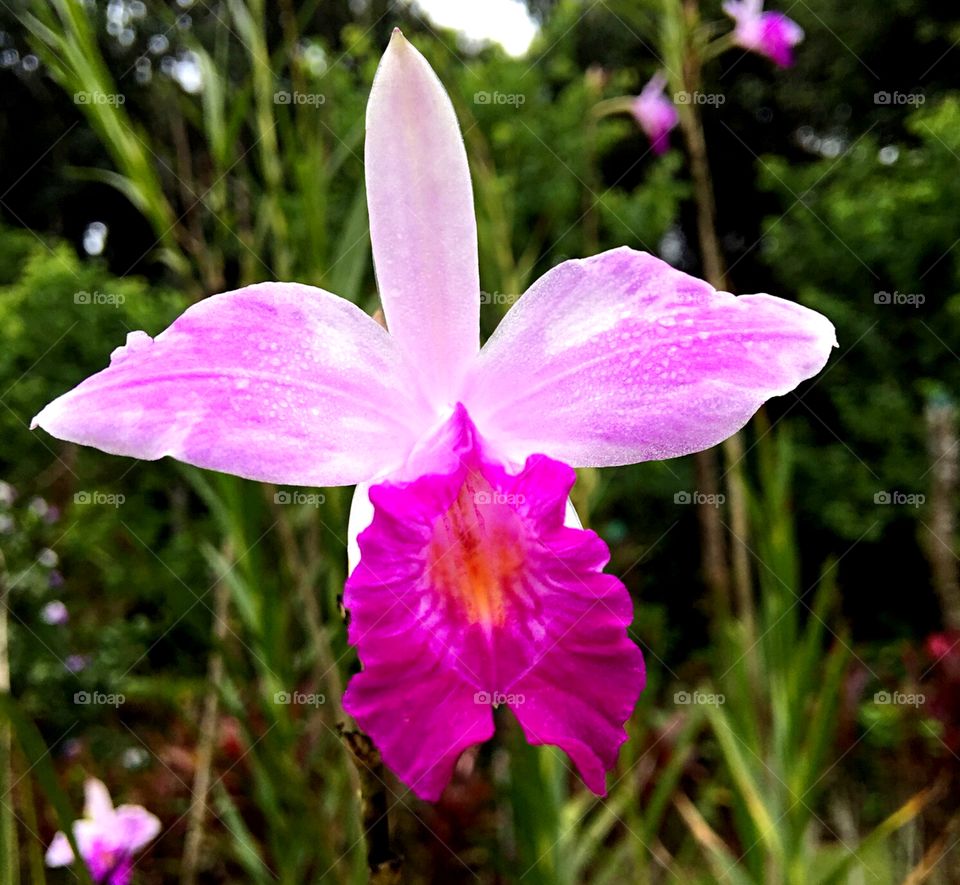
(470, 592)
(134, 827)
(621, 358)
(59, 853)
(422, 224)
(276, 382)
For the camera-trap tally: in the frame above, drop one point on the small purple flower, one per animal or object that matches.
(655, 113)
(76, 663)
(55, 613)
(771, 34)
(107, 837)
(72, 748)
(55, 579)
(472, 582)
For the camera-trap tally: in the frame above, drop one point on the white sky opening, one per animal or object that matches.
(506, 22)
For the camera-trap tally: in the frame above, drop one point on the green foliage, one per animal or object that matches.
(60, 318)
(858, 261)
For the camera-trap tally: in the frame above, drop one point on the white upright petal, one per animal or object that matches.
(422, 224)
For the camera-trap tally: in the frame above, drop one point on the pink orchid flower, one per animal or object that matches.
(771, 34)
(472, 583)
(655, 113)
(107, 837)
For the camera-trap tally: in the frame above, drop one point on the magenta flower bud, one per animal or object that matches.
(771, 34)
(655, 113)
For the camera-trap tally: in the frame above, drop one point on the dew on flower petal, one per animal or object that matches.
(135, 341)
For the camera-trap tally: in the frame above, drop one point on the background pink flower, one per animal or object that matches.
(107, 837)
(772, 34)
(655, 113)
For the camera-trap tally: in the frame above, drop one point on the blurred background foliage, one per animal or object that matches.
(202, 599)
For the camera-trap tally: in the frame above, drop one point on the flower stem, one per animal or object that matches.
(208, 732)
(9, 865)
(385, 866)
(620, 105)
(715, 271)
(715, 569)
(35, 849)
(941, 420)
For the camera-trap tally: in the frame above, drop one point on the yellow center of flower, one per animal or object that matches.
(476, 553)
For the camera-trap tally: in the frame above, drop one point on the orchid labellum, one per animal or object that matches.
(472, 582)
